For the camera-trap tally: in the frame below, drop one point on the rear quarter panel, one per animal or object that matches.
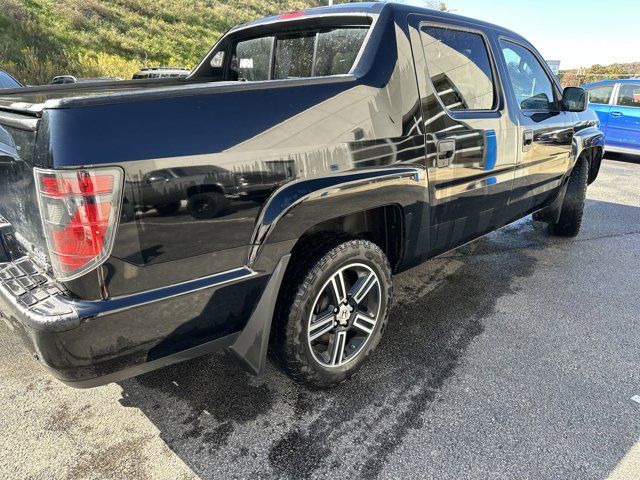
(292, 131)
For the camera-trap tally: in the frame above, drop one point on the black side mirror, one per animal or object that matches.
(575, 99)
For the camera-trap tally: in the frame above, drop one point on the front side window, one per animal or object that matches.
(317, 53)
(531, 84)
(600, 94)
(459, 67)
(629, 95)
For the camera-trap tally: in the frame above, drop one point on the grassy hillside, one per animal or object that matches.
(43, 38)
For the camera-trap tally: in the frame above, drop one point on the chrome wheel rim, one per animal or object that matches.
(345, 315)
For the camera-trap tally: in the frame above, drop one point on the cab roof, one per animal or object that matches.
(376, 8)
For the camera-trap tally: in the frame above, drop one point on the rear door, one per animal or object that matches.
(470, 138)
(545, 131)
(623, 127)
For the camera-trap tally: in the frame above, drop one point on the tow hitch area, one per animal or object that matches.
(10, 249)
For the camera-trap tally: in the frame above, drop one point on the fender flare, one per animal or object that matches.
(299, 205)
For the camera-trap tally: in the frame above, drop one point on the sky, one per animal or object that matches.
(579, 33)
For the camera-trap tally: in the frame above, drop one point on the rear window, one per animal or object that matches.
(318, 53)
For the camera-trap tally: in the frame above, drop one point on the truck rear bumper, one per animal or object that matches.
(90, 343)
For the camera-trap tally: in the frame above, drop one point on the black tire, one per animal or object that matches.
(292, 348)
(207, 205)
(168, 209)
(573, 205)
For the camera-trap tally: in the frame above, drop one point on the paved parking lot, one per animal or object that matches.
(513, 357)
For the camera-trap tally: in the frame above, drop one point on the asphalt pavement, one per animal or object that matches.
(516, 356)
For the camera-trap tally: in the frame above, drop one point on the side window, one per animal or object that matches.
(459, 67)
(600, 94)
(531, 84)
(629, 95)
(158, 176)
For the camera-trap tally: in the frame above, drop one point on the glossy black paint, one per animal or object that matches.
(221, 176)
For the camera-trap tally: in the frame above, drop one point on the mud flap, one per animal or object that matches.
(551, 213)
(250, 349)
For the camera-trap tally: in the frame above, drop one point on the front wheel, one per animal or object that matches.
(333, 313)
(568, 225)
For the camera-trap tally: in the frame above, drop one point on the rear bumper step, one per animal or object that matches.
(91, 343)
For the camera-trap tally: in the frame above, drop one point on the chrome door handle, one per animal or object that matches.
(616, 114)
(446, 150)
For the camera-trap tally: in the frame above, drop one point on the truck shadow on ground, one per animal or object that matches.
(218, 419)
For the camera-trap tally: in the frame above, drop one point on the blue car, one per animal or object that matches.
(7, 81)
(617, 103)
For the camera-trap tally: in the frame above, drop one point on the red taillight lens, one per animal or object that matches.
(79, 209)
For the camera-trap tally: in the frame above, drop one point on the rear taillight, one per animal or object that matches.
(80, 211)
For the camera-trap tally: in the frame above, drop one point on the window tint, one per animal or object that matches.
(299, 55)
(629, 95)
(294, 56)
(252, 61)
(459, 67)
(337, 50)
(531, 85)
(600, 94)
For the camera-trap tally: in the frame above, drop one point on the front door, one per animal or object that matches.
(470, 138)
(545, 131)
(623, 127)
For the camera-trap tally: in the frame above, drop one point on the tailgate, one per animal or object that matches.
(18, 200)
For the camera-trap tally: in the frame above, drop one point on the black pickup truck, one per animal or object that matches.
(377, 136)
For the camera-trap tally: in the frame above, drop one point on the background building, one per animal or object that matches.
(554, 65)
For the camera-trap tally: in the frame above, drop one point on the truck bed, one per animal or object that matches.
(34, 99)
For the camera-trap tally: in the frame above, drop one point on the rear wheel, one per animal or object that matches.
(568, 225)
(333, 313)
(207, 205)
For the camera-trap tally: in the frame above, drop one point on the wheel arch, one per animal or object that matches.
(588, 143)
(206, 188)
(352, 204)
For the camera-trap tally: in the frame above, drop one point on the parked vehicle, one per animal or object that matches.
(7, 81)
(373, 137)
(617, 103)
(207, 189)
(161, 72)
(64, 79)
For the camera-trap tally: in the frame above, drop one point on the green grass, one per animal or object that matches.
(87, 38)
